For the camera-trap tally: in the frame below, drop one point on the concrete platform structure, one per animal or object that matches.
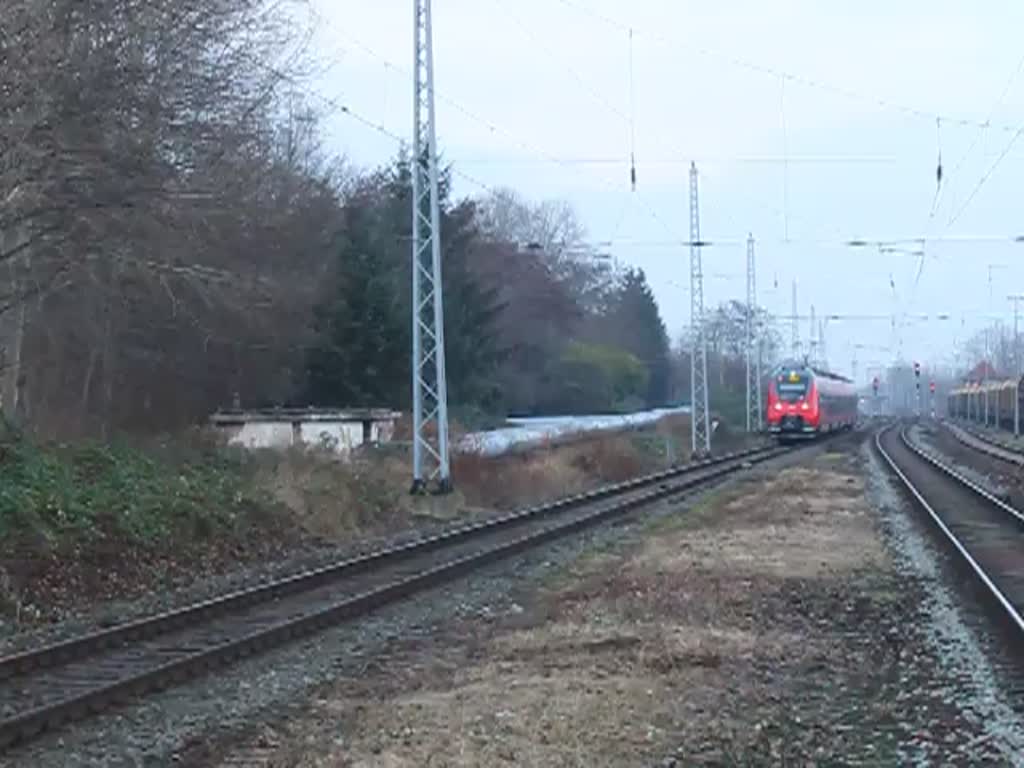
(338, 430)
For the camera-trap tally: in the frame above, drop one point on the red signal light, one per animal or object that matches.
(932, 386)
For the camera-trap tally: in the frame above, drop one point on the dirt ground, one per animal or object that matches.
(765, 625)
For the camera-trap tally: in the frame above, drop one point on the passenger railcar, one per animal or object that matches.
(804, 402)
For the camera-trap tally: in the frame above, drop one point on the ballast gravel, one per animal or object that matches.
(166, 728)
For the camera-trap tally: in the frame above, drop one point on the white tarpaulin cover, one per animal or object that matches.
(533, 432)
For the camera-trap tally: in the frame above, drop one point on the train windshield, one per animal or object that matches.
(791, 385)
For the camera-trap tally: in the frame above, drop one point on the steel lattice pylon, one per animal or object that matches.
(795, 328)
(812, 357)
(429, 386)
(822, 350)
(700, 432)
(754, 411)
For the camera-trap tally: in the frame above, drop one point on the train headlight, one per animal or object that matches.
(778, 406)
(804, 406)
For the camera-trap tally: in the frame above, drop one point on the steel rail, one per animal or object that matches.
(86, 644)
(979, 571)
(23, 724)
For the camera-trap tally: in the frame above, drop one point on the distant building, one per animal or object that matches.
(338, 430)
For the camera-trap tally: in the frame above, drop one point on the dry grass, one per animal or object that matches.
(815, 525)
(522, 479)
(336, 501)
(625, 656)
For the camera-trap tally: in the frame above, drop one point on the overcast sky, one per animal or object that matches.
(810, 126)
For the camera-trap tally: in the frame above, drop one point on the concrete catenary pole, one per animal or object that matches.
(700, 432)
(429, 385)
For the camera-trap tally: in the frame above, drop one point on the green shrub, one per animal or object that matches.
(68, 494)
(598, 379)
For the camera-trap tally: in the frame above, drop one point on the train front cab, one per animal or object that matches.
(793, 412)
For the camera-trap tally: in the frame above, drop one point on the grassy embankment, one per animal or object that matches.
(89, 521)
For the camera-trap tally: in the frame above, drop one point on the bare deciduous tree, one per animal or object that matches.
(165, 208)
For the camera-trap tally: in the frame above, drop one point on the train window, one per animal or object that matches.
(791, 387)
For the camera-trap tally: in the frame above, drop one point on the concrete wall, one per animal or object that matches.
(340, 436)
(260, 435)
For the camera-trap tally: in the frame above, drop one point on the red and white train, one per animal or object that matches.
(805, 401)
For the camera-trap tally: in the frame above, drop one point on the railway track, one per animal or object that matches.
(987, 445)
(43, 688)
(986, 533)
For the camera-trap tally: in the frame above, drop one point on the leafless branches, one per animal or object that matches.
(160, 179)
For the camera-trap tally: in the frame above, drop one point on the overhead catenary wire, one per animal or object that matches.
(549, 157)
(337, 104)
(627, 117)
(565, 162)
(785, 164)
(554, 159)
(883, 245)
(586, 86)
(522, 144)
(766, 159)
(340, 106)
(802, 80)
(632, 117)
(983, 130)
(554, 56)
(465, 111)
(493, 127)
(988, 173)
(344, 108)
(783, 77)
(938, 169)
(932, 208)
(985, 177)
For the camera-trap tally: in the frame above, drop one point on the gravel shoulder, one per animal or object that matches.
(1000, 478)
(791, 615)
